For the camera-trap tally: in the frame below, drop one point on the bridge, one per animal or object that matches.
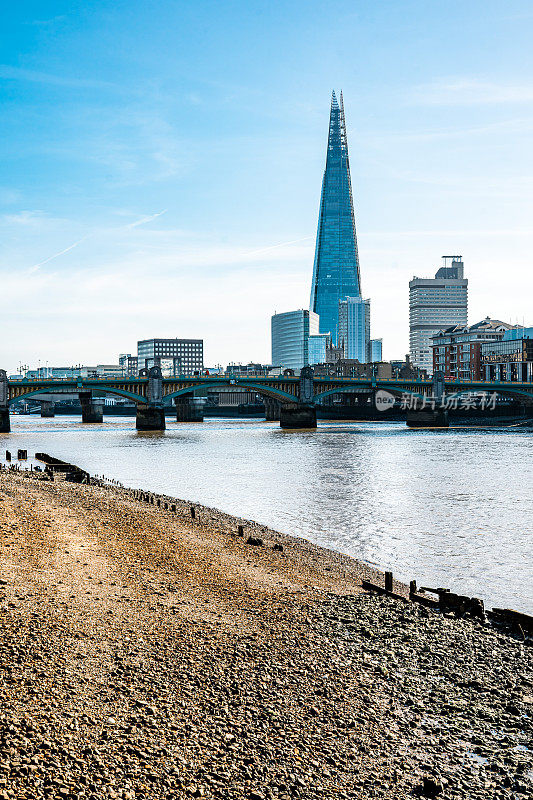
(291, 399)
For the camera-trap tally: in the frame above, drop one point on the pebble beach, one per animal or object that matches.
(147, 654)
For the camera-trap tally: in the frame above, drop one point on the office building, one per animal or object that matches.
(375, 350)
(174, 356)
(290, 337)
(248, 369)
(128, 364)
(319, 345)
(434, 304)
(354, 328)
(336, 266)
(511, 358)
(347, 368)
(457, 349)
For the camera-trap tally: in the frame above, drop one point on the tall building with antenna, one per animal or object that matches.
(336, 274)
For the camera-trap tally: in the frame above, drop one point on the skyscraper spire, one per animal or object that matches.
(336, 267)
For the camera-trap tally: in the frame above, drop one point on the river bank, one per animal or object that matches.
(146, 654)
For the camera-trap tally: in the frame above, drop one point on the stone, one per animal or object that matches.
(431, 787)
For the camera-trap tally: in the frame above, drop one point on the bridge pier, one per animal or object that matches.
(298, 415)
(433, 417)
(47, 409)
(427, 418)
(151, 415)
(5, 424)
(189, 408)
(272, 409)
(91, 411)
(150, 418)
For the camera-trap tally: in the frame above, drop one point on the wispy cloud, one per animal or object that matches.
(46, 22)
(469, 91)
(8, 72)
(522, 125)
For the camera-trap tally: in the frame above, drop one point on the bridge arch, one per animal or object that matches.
(33, 393)
(519, 394)
(258, 388)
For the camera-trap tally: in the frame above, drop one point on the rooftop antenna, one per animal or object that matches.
(453, 258)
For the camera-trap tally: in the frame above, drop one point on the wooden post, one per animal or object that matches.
(240, 530)
(412, 587)
(193, 513)
(388, 581)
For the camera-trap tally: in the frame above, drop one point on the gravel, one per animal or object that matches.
(144, 654)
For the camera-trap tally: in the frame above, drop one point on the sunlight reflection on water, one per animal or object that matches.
(451, 508)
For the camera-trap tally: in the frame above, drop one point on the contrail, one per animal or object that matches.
(274, 246)
(141, 221)
(56, 255)
(146, 219)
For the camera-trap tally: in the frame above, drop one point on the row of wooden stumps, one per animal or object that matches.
(158, 502)
(450, 602)
(22, 455)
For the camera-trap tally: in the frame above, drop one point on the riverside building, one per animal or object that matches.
(511, 358)
(457, 349)
(434, 304)
(290, 337)
(128, 364)
(174, 356)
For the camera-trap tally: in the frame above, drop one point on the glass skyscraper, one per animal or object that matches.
(354, 328)
(290, 338)
(336, 267)
(319, 344)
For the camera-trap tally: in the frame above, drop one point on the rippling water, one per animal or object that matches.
(451, 508)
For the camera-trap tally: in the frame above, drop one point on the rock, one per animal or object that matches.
(431, 787)
(256, 541)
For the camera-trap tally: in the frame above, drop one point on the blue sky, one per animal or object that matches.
(161, 165)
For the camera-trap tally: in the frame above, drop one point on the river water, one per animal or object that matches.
(449, 508)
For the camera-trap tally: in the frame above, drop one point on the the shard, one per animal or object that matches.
(336, 267)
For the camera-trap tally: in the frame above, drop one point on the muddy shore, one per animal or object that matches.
(145, 654)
